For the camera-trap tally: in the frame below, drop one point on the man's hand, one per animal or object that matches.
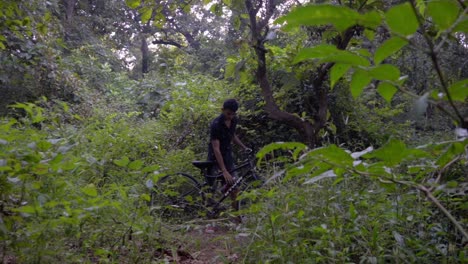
(227, 176)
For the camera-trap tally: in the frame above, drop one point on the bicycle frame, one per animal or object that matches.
(247, 163)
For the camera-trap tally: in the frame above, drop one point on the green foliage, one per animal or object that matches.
(367, 211)
(402, 20)
(337, 71)
(443, 12)
(340, 16)
(359, 81)
(329, 53)
(387, 91)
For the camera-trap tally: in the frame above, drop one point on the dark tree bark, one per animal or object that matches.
(145, 55)
(69, 9)
(304, 127)
(316, 102)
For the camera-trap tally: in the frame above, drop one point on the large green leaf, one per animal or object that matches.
(333, 155)
(388, 48)
(453, 150)
(337, 71)
(371, 19)
(133, 3)
(385, 72)
(402, 20)
(462, 26)
(459, 90)
(443, 12)
(313, 15)
(359, 81)
(329, 53)
(387, 91)
(394, 152)
(296, 146)
(146, 14)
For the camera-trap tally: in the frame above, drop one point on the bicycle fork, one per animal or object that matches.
(227, 193)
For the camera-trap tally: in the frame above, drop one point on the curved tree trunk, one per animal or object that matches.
(317, 101)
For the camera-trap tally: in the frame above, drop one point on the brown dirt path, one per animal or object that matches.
(212, 243)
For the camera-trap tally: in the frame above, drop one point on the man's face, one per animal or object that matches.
(229, 114)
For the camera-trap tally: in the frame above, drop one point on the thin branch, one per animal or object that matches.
(441, 171)
(431, 197)
(435, 61)
(434, 200)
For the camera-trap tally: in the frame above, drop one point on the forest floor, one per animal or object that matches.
(209, 243)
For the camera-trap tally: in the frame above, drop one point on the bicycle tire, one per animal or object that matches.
(177, 197)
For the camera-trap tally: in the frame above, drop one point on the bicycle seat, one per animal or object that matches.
(203, 164)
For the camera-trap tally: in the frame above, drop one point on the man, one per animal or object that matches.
(222, 134)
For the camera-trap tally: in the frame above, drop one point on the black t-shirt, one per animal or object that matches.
(219, 130)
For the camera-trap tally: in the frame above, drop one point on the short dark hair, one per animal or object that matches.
(231, 104)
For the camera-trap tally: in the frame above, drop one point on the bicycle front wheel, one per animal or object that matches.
(177, 197)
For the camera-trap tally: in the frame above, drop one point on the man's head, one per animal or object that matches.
(230, 107)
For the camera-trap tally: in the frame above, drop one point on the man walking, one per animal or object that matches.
(222, 134)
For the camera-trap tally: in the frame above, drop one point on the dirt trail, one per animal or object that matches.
(213, 243)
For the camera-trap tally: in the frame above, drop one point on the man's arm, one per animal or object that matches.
(239, 142)
(219, 158)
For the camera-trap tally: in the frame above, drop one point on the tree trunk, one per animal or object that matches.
(69, 9)
(304, 127)
(316, 101)
(145, 55)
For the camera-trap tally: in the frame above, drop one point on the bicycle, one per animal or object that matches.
(180, 195)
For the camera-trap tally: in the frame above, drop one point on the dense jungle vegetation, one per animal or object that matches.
(356, 109)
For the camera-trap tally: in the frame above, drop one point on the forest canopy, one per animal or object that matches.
(356, 111)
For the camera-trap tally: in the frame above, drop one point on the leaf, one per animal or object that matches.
(388, 48)
(28, 209)
(151, 168)
(402, 20)
(329, 53)
(145, 197)
(146, 14)
(333, 155)
(443, 12)
(453, 150)
(326, 174)
(394, 152)
(297, 146)
(459, 90)
(462, 26)
(135, 165)
(123, 162)
(371, 19)
(337, 71)
(359, 81)
(387, 91)
(314, 15)
(385, 72)
(352, 212)
(90, 190)
(133, 3)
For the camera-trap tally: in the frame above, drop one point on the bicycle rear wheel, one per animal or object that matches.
(177, 197)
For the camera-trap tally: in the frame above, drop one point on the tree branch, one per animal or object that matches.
(167, 42)
(435, 62)
(304, 127)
